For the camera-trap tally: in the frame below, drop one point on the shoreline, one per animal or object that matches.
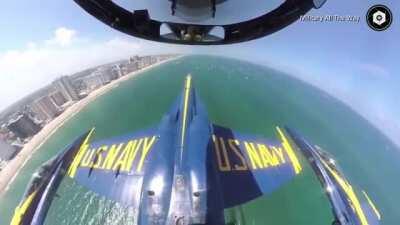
(13, 167)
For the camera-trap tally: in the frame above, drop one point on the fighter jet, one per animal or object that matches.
(182, 171)
(190, 30)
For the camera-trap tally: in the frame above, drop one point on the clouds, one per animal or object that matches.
(39, 62)
(25, 70)
(373, 69)
(62, 36)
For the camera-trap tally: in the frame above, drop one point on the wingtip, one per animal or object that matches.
(372, 205)
(188, 80)
(91, 131)
(289, 149)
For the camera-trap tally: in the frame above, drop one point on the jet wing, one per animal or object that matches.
(372, 213)
(114, 167)
(185, 166)
(187, 170)
(254, 165)
(348, 206)
(36, 201)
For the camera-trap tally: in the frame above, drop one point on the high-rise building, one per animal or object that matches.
(58, 98)
(5, 134)
(7, 152)
(105, 78)
(135, 58)
(116, 71)
(65, 86)
(132, 66)
(93, 82)
(124, 69)
(104, 74)
(45, 108)
(145, 61)
(38, 112)
(23, 126)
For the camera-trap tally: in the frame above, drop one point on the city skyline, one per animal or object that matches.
(27, 118)
(84, 70)
(347, 60)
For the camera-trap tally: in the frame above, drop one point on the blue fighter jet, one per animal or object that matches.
(186, 169)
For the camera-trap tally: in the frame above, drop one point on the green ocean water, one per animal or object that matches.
(248, 98)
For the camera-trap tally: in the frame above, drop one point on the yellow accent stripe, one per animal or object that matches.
(185, 106)
(377, 213)
(21, 210)
(292, 156)
(78, 158)
(348, 189)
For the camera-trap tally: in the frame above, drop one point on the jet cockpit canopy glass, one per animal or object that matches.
(201, 22)
(201, 12)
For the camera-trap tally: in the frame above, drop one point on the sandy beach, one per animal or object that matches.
(10, 172)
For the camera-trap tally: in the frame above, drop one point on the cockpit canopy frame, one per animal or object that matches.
(139, 23)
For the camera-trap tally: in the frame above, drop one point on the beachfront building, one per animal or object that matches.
(38, 113)
(135, 58)
(116, 71)
(7, 135)
(144, 61)
(58, 98)
(23, 126)
(124, 68)
(105, 74)
(7, 152)
(92, 82)
(132, 66)
(65, 86)
(45, 108)
(4, 133)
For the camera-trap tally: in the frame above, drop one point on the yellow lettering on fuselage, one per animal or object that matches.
(111, 156)
(99, 157)
(145, 150)
(230, 157)
(279, 152)
(78, 157)
(133, 147)
(234, 146)
(119, 157)
(267, 157)
(87, 159)
(222, 157)
(122, 160)
(255, 159)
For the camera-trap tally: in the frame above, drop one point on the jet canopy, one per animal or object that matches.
(200, 22)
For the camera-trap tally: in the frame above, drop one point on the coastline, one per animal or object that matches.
(10, 172)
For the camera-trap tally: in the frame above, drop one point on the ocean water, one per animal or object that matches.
(248, 98)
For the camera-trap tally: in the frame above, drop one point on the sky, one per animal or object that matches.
(353, 63)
